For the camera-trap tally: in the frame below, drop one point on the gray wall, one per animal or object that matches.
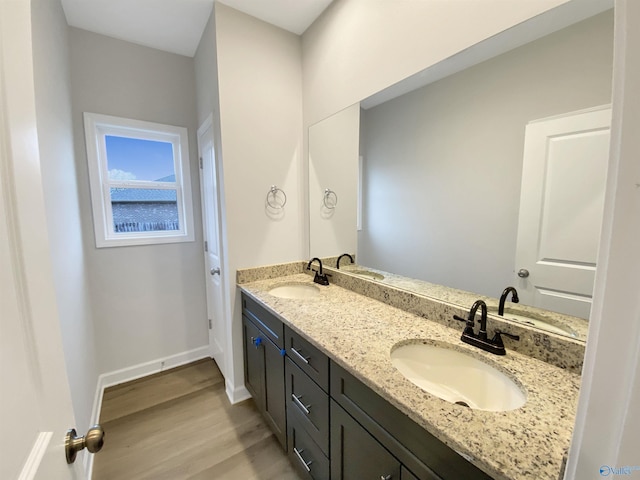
(55, 135)
(444, 163)
(149, 301)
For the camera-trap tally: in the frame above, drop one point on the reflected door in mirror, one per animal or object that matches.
(561, 206)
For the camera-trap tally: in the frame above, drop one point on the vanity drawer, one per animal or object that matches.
(307, 405)
(306, 455)
(311, 360)
(266, 321)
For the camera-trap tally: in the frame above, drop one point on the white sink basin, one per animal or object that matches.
(298, 291)
(536, 322)
(367, 273)
(457, 377)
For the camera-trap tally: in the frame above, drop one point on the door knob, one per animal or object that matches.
(523, 273)
(93, 440)
(215, 271)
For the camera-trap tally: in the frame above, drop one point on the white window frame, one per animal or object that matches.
(96, 128)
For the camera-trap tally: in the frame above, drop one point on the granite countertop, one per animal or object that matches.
(359, 333)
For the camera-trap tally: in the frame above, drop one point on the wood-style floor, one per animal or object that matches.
(179, 425)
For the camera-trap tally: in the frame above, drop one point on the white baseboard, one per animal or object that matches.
(149, 368)
(236, 394)
(132, 373)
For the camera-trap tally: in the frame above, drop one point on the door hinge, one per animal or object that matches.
(200, 162)
(210, 324)
(206, 246)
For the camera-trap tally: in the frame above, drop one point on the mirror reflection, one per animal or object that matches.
(443, 183)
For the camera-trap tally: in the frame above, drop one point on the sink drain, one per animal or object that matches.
(464, 404)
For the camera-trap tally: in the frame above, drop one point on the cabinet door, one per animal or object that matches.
(406, 474)
(264, 378)
(355, 454)
(274, 395)
(253, 362)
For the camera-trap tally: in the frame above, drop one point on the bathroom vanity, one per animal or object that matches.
(330, 414)
(320, 370)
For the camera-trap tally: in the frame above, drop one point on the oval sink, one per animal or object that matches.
(367, 273)
(298, 291)
(457, 377)
(532, 321)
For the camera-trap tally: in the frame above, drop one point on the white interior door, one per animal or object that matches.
(561, 206)
(211, 224)
(35, 404)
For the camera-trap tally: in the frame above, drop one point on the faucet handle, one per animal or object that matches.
(499, 333)
(468, 330)
(469, 320)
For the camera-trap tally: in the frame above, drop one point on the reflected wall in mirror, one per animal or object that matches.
(443, 164)
(333, 183)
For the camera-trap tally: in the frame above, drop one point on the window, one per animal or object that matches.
(140, 183)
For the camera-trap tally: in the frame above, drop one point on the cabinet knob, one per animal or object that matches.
(386, 477)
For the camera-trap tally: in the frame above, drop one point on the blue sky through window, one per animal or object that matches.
(138, 159)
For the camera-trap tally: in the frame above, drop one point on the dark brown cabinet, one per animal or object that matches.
(307, 384)
(307, 405)
(355, 453)
(264, 372)
(420, 454)
(305, 454)
(332, 425)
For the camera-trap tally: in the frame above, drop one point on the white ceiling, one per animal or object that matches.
(177, 25)
(292, 15)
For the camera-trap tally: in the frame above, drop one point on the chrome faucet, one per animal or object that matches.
(319, 278)
(503, 298)
(495, 345)
(341, 257)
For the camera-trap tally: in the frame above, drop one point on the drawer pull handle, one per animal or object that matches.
(296, 400)
(386, 477)
(305, 464)
(304, 359)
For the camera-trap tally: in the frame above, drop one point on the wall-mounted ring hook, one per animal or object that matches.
(330, 199)
(276, 198)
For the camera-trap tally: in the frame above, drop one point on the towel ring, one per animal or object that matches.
(330, 199)
(274, 200)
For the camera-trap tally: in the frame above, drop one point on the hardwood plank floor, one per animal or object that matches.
(179, 425)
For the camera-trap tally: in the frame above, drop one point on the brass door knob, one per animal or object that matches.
(93, 440)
